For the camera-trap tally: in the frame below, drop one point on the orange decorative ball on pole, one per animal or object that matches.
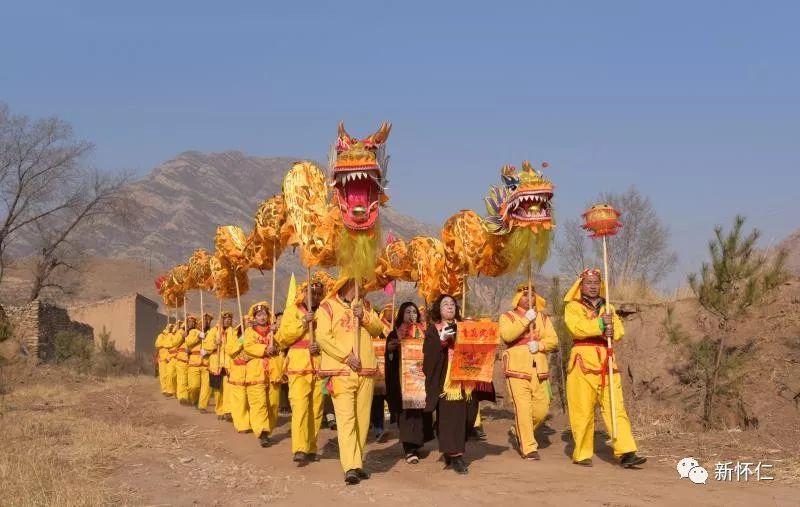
(602, 220)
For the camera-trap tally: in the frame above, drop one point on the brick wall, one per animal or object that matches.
(36, 324)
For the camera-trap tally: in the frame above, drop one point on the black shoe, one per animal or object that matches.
(478, 434)
(351, 477)
(459, 465)
(412, 458)
(532, 456)
(228, 417)
(300, 457)
(447, 460)
(265, 440)
(584, 462)
(312, 457)
(630, 460)
(363, 474)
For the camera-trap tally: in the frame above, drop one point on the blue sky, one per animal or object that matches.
(695, 103)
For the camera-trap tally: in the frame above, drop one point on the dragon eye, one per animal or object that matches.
(512, 187)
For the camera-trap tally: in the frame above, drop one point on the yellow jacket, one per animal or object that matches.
(250, 365)
(585, 326)
(194, 345)
(336, 337)
(178, 342)
(295, 337)
(161, 347)
(518, 361)
(217, 358)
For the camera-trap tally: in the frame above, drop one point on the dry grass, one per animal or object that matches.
(56, 452)
(636, 291)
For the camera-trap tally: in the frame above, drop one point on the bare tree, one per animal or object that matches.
(39, 164)
(100, 195)
(641, 250)
(46, 192)
(639, 253)
(575, 253)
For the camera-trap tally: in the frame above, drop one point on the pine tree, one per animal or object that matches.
(737, 279)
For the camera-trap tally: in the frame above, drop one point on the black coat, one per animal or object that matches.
(394, 394)
(434, 365)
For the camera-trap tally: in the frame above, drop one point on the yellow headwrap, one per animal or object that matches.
(574, 292)
(522, 288)
(257, 307)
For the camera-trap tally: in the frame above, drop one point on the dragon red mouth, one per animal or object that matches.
(531, 207)
(358, 193)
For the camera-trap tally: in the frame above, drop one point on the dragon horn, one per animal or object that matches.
(381, 135)
(343, 135)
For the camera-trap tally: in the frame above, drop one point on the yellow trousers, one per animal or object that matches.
(273, 405)
(583, 394)
(531, 403)
(352, 401)
(205, 388)
(181, 380)
(194, 381)
(305, 396)
(220, 405)
(249, 408)
(166, 376)
(236, 400)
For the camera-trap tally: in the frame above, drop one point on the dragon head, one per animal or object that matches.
(524, 200)
(359, 177)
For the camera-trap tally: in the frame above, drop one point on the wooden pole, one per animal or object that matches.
(221, 332)
(239, 301)
(530, 297)
(357, 344)
(274, 268)
(308, 304)
(202, 310)
(609, 348)
(464, 297)
(394, 302)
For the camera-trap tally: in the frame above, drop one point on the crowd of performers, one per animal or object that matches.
(312, 350)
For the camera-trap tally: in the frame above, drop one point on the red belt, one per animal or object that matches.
(595, 341)
(300, 344)
(240, 362)
(598, 342)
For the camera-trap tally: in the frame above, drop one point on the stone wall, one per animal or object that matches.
(132, 320)
(36, 324)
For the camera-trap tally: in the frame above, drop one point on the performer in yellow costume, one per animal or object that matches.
(199, 391)
(249, 387)
(352, 379)
(182, 360)
(591, 322)
(219, 362)
(166, 361)
(529, 335)
(302, 364)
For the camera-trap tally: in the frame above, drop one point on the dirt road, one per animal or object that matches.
(207, 463)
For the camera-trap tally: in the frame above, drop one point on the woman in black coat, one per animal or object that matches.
(454, 417)
(415, 425)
